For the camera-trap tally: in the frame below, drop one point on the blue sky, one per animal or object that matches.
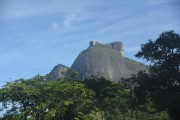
(35, 35)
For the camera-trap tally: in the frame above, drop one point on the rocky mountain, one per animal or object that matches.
(98, 59)
(57, 72)
(106, 60)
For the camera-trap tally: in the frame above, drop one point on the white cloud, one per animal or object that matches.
(55, 26)
(21, 9)
(69, 19)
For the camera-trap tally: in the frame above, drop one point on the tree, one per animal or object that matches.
(68, 99)
(163, 83)
(38, 99)
(111, 98)
(24, 98)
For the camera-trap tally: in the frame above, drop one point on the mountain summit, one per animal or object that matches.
(106, 60)
(57, 72)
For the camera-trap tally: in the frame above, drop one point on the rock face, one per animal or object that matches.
(106, 60)
(57, 72)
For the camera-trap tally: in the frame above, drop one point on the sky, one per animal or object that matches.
(36, 35)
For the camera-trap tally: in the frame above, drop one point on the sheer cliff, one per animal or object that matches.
(106, 60)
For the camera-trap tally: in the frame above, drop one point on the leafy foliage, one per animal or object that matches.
(40, 99)
(163, 84)
(94, 99)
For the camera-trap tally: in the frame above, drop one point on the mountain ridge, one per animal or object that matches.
(105, 60)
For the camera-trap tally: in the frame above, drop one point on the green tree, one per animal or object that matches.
(69, 99)
(163, 83)
(37, 99)
(111, 98)
(142, 107)
(24, 97)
